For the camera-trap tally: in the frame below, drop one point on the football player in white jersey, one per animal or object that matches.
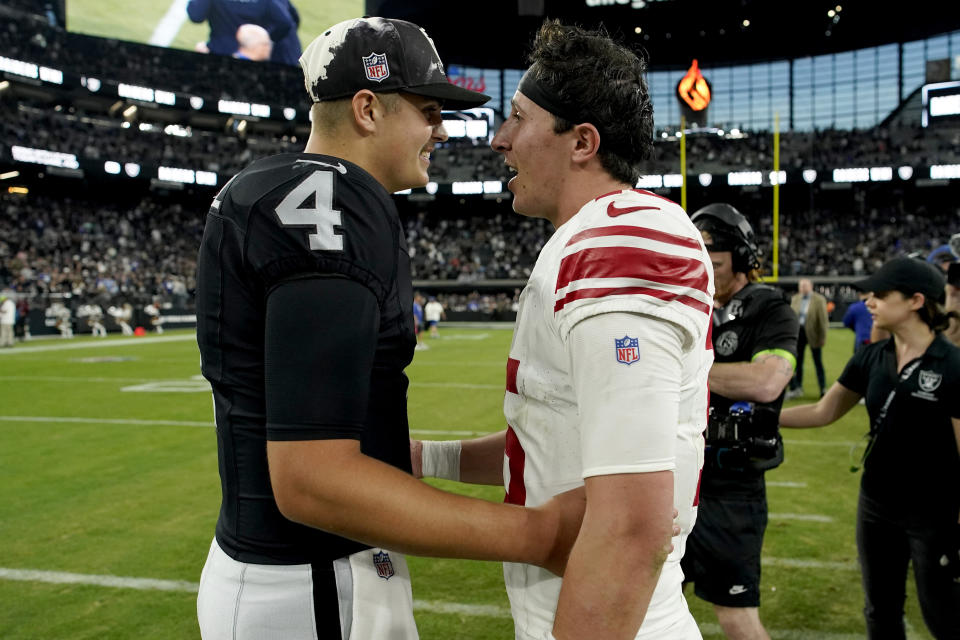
(607, 375)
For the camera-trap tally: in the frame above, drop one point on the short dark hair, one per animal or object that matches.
(608, 81)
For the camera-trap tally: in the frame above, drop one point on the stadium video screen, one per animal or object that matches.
(250, 29)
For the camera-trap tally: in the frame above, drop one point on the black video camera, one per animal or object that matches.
(744, 438)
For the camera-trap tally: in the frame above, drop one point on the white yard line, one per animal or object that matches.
(810, 517)
(190, 423)
(428, 606)
(66, 345)
(169, 26)
(789, 485)
(149, 584)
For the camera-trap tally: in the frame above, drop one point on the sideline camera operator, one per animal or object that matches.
(755, 344)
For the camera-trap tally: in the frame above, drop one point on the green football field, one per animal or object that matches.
(110, 492)
(144, 20)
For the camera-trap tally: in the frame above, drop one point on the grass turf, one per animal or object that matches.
(113, 476)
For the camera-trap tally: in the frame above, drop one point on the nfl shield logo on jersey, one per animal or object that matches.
(383, 564)
(376, 67)
(628, 349)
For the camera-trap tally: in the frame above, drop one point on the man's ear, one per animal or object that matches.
(366, 109)
(586, 142)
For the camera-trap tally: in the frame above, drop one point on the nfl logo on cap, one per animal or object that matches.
(383, 564)
(628, 349)
(376, 67)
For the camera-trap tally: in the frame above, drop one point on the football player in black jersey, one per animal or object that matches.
(755, 346)
(305, 326)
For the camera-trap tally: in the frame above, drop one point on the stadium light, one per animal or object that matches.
(851, 174)
(744, 178)
(705, 179)
(92, 84)
(4, 85)
(881, 174)
(432, 188)
(650, 182)
(132, 169)
(289, 113)
(9, 174)
(905, 173)
(673, 180)
(944, 171)
(130, 112)
(112, 167)
(196, 102)
(809, 175)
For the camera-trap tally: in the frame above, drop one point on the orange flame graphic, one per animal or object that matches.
(694, 89)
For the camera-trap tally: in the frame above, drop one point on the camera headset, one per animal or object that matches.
(729, 231)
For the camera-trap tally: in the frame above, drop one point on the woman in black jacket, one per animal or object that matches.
(909, 505)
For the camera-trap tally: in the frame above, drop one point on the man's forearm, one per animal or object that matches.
(615, 564)
(759, 381)
(481, 459)
(315, 483)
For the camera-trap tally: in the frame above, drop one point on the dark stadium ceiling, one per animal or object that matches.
(496, 34)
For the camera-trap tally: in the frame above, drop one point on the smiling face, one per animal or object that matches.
(539, 157)
(411, 129)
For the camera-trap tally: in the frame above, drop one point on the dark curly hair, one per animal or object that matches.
(606, 80)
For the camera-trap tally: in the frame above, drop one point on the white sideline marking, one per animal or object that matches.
(189, 423)
(133, 421)
(810, 517)
(199, 384)
(97, 344)
(713, 629)
(457, 385)
(169, 26)
(791, 485)
(820, 443)
(479, 610)
(797, 563)
(148, 584)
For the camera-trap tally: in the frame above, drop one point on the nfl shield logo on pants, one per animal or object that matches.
(376, 67)
(383, 564)
(628, 350)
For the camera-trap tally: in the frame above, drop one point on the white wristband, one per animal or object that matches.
(441, 459)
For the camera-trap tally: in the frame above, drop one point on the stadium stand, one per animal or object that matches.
(100, 240)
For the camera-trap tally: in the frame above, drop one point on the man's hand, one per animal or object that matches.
(416, 457)
(566, 510)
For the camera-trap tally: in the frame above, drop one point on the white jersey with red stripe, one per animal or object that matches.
(628, 258)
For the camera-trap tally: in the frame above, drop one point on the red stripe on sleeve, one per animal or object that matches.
(633, 262)
(516, 491)
(512, 366)
(580, 294)
(637, 232)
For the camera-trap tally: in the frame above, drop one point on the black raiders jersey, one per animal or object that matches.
(913, 461)
(283, 219)
(756, 320)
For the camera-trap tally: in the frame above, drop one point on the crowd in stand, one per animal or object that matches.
(96, 252)
(145, 248)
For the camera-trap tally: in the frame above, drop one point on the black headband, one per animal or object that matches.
(545, 97)
(548, 99)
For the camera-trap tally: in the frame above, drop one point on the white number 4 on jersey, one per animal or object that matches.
(321, 216)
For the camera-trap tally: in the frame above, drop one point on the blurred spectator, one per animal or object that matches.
(225, 18)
